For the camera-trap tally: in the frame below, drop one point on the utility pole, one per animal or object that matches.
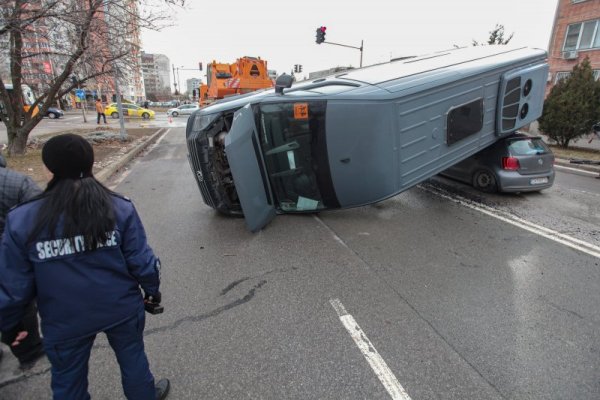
(174, 80)
(178, 82)
(123, 132)
(76, 80)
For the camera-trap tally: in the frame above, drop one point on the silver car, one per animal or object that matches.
(517, 163)
(185, 109)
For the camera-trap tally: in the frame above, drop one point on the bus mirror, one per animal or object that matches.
(284, 81)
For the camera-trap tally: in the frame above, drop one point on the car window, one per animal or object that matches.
(292, 137)
(529, 146)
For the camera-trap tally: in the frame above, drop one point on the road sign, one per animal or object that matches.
(80, 93)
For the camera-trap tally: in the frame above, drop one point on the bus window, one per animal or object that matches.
(292, 137)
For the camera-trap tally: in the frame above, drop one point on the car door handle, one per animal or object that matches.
(345, 160)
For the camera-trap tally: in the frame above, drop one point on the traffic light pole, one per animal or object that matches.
(352, 47)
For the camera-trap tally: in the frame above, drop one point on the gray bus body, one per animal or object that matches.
(361, 136)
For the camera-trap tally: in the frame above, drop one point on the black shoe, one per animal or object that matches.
(24, 365)
(162, 389)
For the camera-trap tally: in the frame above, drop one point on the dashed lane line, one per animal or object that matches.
(377, 363)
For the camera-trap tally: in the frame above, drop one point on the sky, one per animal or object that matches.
(283, 32)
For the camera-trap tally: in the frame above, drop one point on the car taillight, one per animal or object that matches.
(510, 163)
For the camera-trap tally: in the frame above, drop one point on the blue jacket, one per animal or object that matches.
(78, 292)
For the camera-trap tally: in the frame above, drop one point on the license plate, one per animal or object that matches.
(538, 181)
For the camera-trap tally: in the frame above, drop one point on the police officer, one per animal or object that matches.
(17, 188)
(81, 250)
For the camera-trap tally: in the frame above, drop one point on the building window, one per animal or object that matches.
(582, 36)
(563, 75)
(560, 76)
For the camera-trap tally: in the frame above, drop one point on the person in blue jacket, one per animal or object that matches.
(16, 188)
(81, 251)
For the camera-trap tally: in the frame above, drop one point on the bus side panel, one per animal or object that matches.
(360, 146)
(422, 127)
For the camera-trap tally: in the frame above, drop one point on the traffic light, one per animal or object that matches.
(321, 34)
(195, 93)
(299, 67)
(200, 66)
(295, 67)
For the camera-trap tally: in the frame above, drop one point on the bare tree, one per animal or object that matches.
(63, 44)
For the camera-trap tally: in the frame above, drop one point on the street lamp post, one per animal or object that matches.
(123, 133)
(174, 79)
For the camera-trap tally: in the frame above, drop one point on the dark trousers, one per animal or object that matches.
(70, 363)
(103, 116)
(30, 347)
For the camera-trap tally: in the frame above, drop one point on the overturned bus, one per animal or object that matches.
(361, 136)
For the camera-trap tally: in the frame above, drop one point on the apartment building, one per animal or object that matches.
(575, 36)
(157, 77)
(48, 44)
(191, 84)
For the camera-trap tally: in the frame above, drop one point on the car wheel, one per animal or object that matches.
(115, 115)
(145, 115)
(51, 115)
(485, 181)
(174, 113)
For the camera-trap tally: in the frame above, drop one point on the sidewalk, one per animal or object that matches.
(583, 144)
(584, 167)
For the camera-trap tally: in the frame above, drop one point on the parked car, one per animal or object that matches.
(185, 109)
(360, 136)
(54, 113)
(131, 109)
(517, 163)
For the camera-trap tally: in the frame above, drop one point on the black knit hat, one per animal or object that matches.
(68, 156)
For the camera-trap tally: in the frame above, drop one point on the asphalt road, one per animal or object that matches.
(438, 293)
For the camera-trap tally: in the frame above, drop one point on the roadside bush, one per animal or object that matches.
(572, 106)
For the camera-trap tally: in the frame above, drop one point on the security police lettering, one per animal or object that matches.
(61, 247)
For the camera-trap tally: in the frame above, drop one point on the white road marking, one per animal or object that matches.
(335, 237)
(582, 171)
(377, 363)
(558, 237)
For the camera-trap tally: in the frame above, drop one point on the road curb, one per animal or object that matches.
(108, 171)
(567, 163)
